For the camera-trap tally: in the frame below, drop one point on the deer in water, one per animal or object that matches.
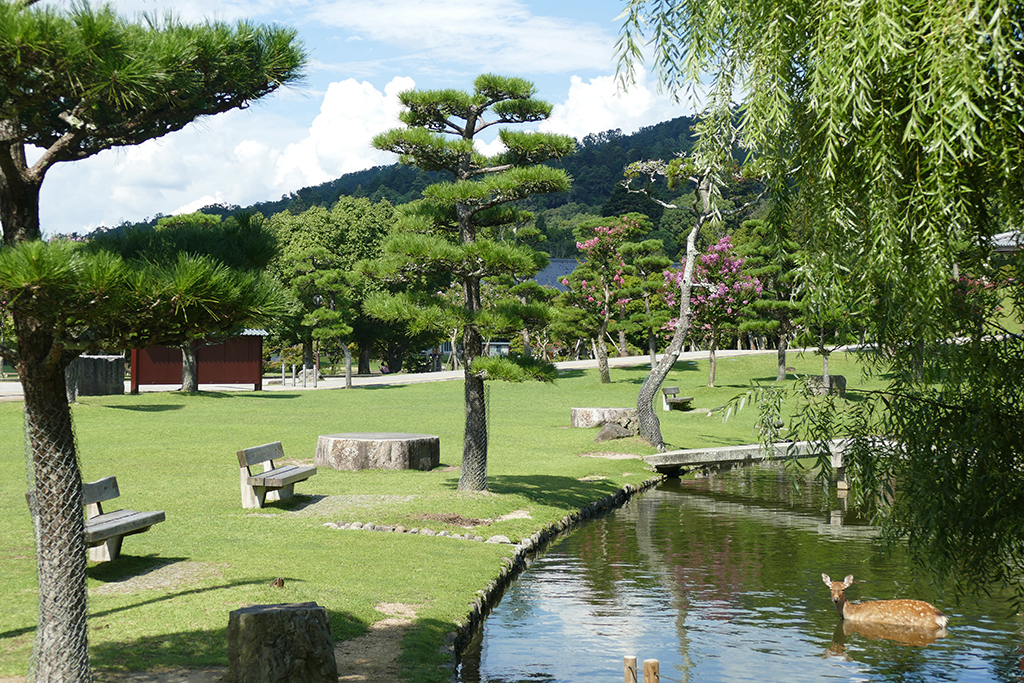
(909, 613)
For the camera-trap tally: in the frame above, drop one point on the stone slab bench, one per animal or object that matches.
(104, 531)
(670, 399)
(274, 483)
(595, 417)
(378, 450)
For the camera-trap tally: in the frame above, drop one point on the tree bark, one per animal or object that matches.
(713, 363)
(189, 368)
(474, 443)
(601, 351)
(781, 355)
(348, 365)
(647, 417)
(61, 651)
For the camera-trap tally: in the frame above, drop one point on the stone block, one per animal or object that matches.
(100, 375)
(289, 643)
(595, 417)
(836, 383)
(378, 450)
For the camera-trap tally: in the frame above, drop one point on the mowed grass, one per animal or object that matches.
(165, 602)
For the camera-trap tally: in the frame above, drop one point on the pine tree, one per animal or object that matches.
(75, 82)
(452, 230)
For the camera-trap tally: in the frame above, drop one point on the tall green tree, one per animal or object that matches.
(897, 123)
(771, 257)
(241, 244)
(73, 82)
(450, 230)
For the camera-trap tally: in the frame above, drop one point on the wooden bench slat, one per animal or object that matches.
(247, 457)
(100, 490)
(282, 476)
(120, 523)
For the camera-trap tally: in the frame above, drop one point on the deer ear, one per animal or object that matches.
(828, 581)
(847, 581)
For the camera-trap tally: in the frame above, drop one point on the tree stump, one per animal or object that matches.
(595, 417)
(378, 450)
(288, 643)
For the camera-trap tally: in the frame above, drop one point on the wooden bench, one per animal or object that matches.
(670, 399)
(274, 483)
(104, 531)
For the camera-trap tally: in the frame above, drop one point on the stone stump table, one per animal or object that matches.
(595, 417)
(281, 644)
(378, 450)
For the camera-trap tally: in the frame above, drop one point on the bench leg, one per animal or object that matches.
(664, 404)
(109, 550)
(282, 493)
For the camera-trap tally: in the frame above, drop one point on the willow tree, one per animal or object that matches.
(73, 82)
(898, 125)
(453, 230)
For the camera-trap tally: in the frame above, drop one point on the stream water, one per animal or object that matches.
(720, 580)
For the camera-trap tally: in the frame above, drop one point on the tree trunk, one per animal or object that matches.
(527, 350)
(649, 426)
(474, 443)
(308, 361)
(364, 359)
(601, 351)
(61, 651)
(189, 368)
(712, 362)
(783, 346)
(348, 365)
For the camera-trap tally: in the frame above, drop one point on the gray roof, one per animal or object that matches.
(557, 269)
(1007, 242)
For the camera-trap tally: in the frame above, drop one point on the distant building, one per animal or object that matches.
(556, 270)
(1007, 242)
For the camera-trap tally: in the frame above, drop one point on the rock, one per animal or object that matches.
(378, 450)
(593, 417)
(836, 383)
(611, 431)
(499, 539)
(281, 644)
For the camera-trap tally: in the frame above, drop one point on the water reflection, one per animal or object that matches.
(719, 579)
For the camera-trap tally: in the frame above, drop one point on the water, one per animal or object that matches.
(720, 580)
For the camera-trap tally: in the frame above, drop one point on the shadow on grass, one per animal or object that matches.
(150, 408)
(556, 491)
(189, 649)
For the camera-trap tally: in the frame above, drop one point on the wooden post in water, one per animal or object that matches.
(651, 674)
(630, 668)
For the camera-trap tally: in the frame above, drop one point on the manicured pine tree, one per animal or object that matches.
(76, 81)
(453, 229)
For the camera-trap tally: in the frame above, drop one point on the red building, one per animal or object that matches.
(238, 360)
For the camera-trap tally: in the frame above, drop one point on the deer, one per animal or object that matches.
(916, 614)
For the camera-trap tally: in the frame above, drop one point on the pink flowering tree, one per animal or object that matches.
(597, 286)
(721, 293)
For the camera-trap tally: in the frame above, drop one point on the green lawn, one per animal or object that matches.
(177, 453)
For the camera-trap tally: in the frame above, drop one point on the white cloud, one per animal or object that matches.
(339, 139)
(598, 105)
(495, 36)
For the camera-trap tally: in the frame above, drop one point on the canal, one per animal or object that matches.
(720, 580)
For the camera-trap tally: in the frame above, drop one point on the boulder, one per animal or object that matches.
(595, 417)
(289, 643)
(836, 383)
(611, 431)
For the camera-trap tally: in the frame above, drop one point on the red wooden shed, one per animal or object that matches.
(238, 360)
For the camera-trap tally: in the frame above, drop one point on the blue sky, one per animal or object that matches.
(362, 55)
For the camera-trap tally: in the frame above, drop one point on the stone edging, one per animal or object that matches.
(512, 566)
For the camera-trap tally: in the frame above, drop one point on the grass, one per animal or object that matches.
(176, 453)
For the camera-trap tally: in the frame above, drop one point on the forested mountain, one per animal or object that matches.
(596, 169)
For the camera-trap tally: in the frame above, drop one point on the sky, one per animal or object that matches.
(362, 55)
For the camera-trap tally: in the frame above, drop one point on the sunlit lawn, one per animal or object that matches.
(177, 453)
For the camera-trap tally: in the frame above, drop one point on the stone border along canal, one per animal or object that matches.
(514, 565)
